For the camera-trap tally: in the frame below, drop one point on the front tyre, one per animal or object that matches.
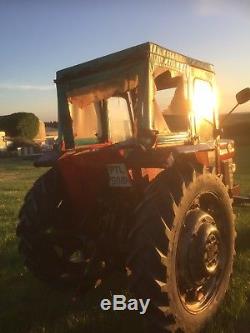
(182, 248)
(50, 250)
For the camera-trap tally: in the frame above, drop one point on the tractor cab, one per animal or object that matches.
(146, 93)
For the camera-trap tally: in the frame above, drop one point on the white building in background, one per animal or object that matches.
(41, 135)
(3, 144)
(46, 136)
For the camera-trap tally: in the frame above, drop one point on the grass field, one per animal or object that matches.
(28, 306)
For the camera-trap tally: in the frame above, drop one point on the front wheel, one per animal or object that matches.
(49, 248)
(182, 248)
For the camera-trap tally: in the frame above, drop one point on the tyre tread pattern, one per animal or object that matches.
(150, 242)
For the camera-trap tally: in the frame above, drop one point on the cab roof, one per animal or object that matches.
(136, 54)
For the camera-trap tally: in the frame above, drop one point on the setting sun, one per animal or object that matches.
(204, 100)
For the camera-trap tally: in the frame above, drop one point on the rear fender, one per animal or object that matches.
(84, 178)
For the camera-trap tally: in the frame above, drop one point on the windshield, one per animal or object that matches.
(88, 119)
(103, 112)
(120, 127)
(84, 121)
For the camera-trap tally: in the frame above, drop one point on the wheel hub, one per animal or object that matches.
(205, 248)
(200, 247)
(211, 254)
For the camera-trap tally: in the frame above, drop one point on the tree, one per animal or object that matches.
(21, 124)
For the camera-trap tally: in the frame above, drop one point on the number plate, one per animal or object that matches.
(118, 175)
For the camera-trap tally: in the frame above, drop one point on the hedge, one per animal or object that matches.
(20, 124)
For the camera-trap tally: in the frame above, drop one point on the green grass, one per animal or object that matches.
(234, 315)
(29, 306)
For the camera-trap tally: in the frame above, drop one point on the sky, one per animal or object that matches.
(40, 37)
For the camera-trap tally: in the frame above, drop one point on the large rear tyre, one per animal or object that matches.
(182, 248)
(48, 253)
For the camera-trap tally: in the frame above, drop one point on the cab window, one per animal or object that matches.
(203, 108)
(86, 128)
(120, 127)
(203, 100)
(170, 105)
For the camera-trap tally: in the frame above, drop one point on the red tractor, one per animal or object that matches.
(139, 180)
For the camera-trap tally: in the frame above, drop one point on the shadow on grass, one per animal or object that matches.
(29, 306)
(243, 239)
(243, 229)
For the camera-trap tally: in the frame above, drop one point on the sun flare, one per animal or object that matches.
(204, 100)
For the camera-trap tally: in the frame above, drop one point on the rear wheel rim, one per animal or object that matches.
(201, 254)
